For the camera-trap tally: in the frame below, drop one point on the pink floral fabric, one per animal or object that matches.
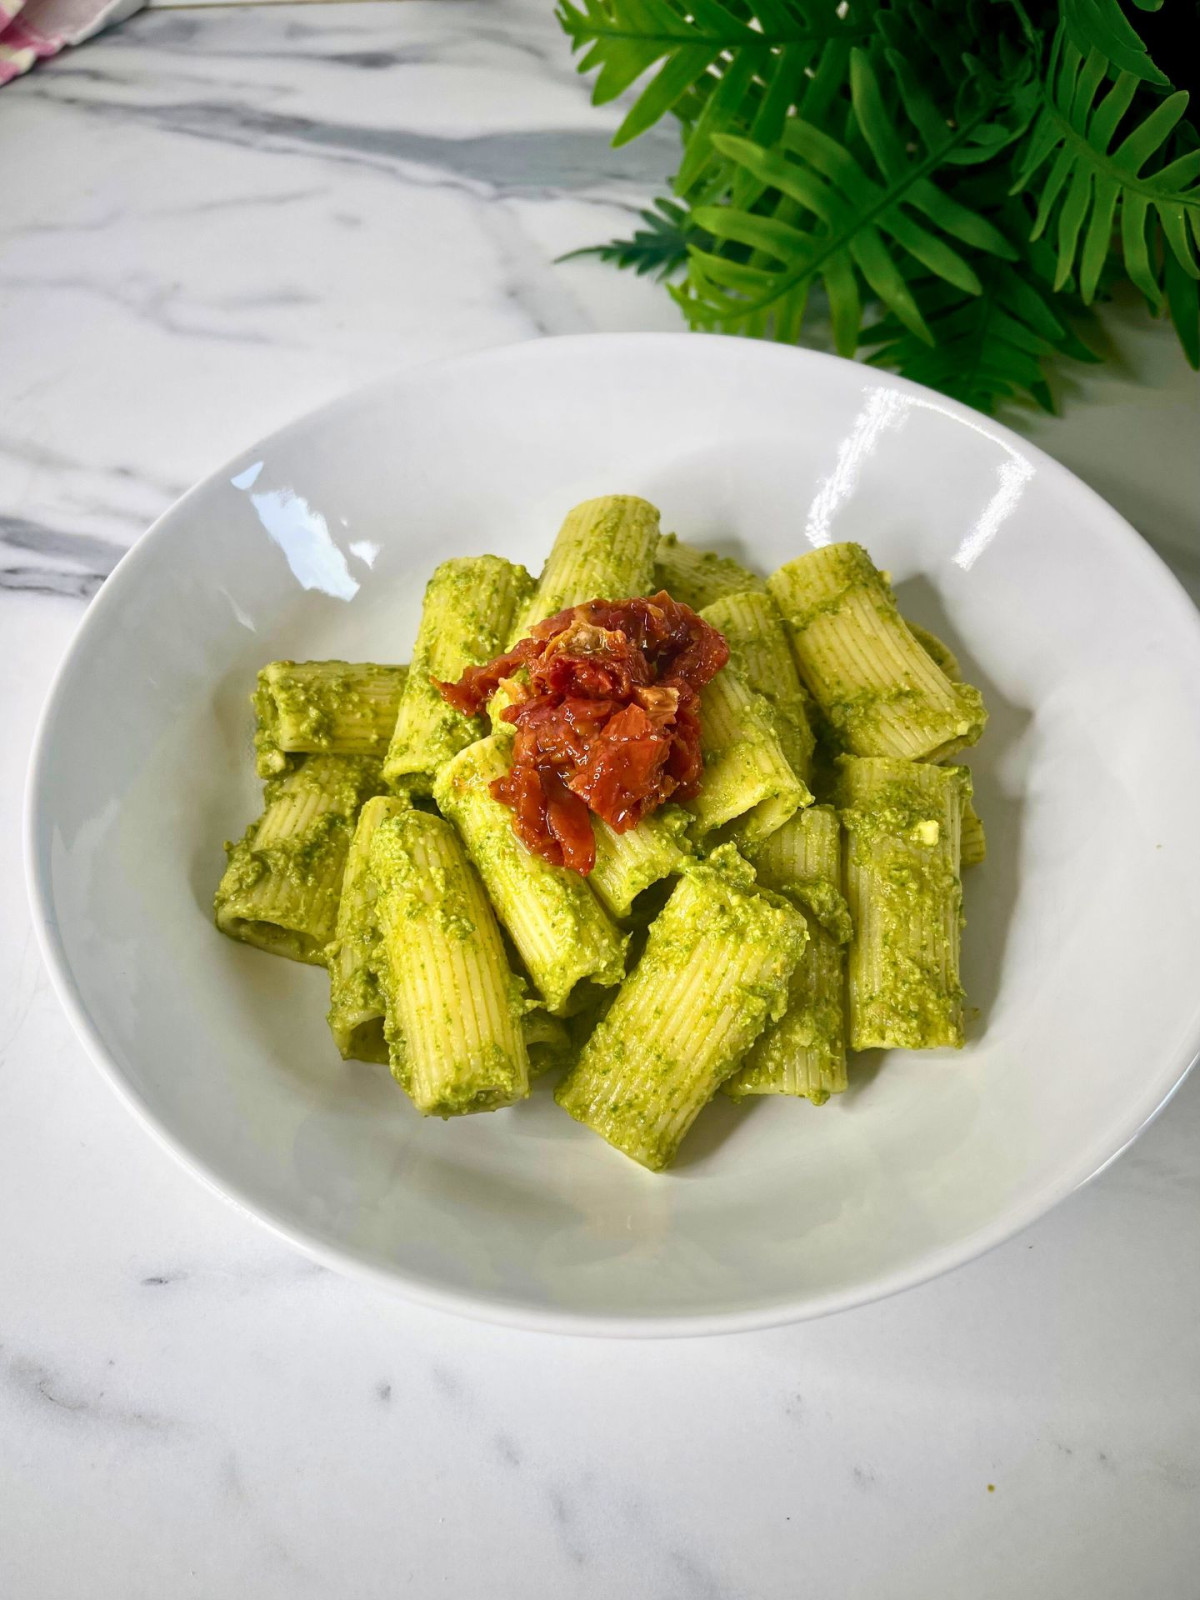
(32, 29)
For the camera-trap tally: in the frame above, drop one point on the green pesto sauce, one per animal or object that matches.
(897, 838)
(419, 891)
(715, 902)
(581, 930)
(467, 616)
(854, 716)
(304, 859)
(308, 706)
(827, 905)
(813, 1024)
(699, 578)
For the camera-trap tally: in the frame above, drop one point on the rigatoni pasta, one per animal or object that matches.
(882, 693)
(341, 708)
(699, 577)
(604, 551)
(627, 864)
(355, 1002)
(714, 971)
(470, 603)
(283, 879)
(974, 840)
(903, 822)
(804, 1053)
(656, 825)
(748, 780)
(453, 1007)
(753, 628)
(562, 933)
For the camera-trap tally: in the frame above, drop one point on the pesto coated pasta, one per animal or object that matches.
(467, 616)
(880, 690)
(714, 972)
(337, 708)
(653, 883)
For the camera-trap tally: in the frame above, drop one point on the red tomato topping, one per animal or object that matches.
(609, 720)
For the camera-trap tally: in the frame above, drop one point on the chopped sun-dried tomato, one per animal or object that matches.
(608, 721)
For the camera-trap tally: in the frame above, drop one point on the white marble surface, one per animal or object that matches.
(211, 221)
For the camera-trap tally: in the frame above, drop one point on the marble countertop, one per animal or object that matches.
(213, 220)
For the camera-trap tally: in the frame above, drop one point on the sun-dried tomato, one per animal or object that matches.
(607, 718)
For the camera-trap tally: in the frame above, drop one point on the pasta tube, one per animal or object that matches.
(604, 551)
(715, 970)
(283, 879)
(747, 778)
(547, 1041)
(470, 603)
(903, 824)
(339, 708)
(974, 840)
(453, 1008)
(937, 650)
(803, 860)
(629, 863)
(561, 931)
(880, 690)
(697, 578)
(759, 651)
(804, 1053)
(355, 1002)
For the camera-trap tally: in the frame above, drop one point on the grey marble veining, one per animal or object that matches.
(213, 221)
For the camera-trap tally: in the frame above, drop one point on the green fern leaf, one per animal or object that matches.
(1183, 302)
(693, 40)
(659, 250)
(1091, 185)
(854, 223)
(991, 348)
(1102, 25)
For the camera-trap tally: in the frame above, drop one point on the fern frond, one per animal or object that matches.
(860, 225)
(1092, 185)
(990, 349)
(1183, 302)
(693, 40)
(659, 250)
(1102, 25)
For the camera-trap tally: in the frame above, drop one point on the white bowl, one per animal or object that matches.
(1083, 946)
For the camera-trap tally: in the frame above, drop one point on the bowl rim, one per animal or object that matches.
(510, 1311)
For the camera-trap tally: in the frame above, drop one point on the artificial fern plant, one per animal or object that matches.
(962, 178)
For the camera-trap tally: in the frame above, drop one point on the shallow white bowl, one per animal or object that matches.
(1083, 949)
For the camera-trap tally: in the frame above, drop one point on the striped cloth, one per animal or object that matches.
(31, 29)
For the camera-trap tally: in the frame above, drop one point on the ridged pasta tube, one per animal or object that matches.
(283, 879)
(342, 708)
(748, 781)
(974, 840)
(903, 822)
(759, 650)
(697, 578)
(804, 1053)
(882, 693)
(470, 605)
(604, 551)
(803, 860)
(629, 863)
(714, 972)
(453, 1007)
(547, 1041)
(355, 1002)
(562, 932)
